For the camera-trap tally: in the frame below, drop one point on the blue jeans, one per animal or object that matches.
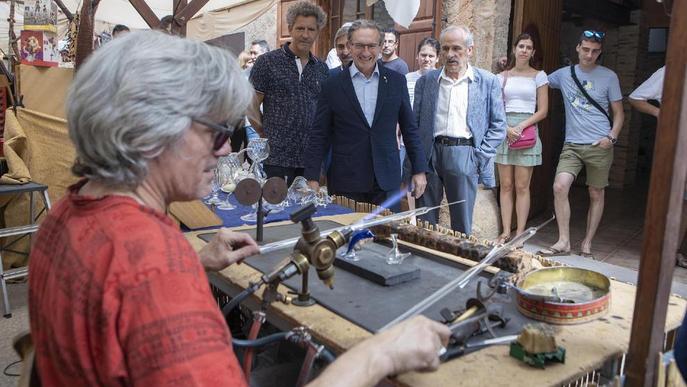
(251, 134)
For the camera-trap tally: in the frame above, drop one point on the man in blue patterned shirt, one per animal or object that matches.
(287, 82)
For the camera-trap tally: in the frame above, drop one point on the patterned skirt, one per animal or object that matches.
(529, 157)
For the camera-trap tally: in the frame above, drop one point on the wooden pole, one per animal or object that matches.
(84, 40)
(13, 62)
(663, 211)
(65, 10)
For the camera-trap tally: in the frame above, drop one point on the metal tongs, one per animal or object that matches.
(497, 252)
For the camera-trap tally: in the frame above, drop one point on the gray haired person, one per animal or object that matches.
(116, 291)
(459, 138)
(339, 57)
(257, 48)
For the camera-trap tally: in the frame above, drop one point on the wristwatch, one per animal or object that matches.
(613, 139)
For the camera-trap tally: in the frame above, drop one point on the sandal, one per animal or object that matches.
(552, 252)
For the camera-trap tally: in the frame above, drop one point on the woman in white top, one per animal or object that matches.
(526, 97)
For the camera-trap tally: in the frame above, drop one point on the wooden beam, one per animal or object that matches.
(178, 27)
(518, 16)
(146, 13)
(438, 18)
(84, 38)
(663, 211)
(189, 11)
(65, 10)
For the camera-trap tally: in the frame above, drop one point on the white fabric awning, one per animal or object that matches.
(217, 18)
(122, 12)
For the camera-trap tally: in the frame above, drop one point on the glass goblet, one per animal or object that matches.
(213, 198)
(258, 150)
(227, 176)
(394, 256)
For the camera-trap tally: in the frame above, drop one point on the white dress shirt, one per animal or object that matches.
(452, 106)
(366, 90)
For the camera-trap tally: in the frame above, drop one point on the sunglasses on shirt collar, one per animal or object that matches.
(223, 131)
(596, 35)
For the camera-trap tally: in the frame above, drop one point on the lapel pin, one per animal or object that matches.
(384, 78)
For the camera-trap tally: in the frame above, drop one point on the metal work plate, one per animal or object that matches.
(247, 191)
(274, 190)
(371, 305)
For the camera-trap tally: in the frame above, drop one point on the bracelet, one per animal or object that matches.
(612, 139)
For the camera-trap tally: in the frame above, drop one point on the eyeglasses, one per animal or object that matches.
(596, 35)
(360, 46)
(223, 132)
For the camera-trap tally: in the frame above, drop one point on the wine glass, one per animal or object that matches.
(228, 167)
(394, 256)
(213, 197)
(258, 150)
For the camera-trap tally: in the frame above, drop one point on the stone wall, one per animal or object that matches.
(488, 20)
(264, 27)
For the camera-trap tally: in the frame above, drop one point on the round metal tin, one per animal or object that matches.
(585, 309)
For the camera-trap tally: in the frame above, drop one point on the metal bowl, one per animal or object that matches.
(564, 295)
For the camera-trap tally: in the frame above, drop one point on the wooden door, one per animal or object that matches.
(426, 23)
(542, 18)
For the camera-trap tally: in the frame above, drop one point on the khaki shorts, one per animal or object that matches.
(595, 159)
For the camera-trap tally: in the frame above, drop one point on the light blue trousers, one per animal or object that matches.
(455, 171)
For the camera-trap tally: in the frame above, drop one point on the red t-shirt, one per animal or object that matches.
(118, 297)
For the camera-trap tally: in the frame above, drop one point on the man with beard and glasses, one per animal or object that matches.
(459, 111)
(389, 58)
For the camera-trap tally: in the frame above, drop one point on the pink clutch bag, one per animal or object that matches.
(527, 139)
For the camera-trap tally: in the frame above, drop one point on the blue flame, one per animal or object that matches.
(388, 203)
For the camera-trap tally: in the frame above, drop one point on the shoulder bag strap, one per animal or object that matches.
(589, 98)
(503, 87)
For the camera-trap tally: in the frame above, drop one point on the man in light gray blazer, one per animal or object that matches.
(459, 111)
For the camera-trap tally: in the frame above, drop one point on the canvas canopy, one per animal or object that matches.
(216, 18)
(122, 12)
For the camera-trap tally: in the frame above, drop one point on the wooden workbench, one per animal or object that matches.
(589, 346)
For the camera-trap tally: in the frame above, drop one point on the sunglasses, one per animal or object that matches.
(597, 35)
(223, 132)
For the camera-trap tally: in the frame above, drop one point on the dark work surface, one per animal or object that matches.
(371, 305)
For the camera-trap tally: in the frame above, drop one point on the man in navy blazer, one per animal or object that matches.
(357, 113)
(460, 114)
